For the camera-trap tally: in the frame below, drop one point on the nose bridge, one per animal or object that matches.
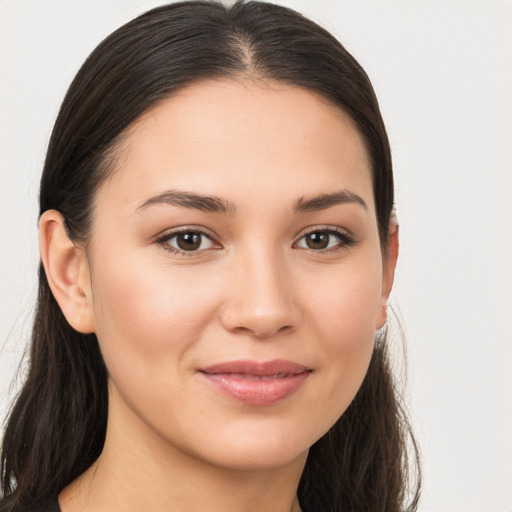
(260, 298)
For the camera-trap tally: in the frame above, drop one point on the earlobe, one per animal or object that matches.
(67, 271)
(388, 273)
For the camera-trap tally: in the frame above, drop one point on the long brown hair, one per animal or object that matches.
(56, 427)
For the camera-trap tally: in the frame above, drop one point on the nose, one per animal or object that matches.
(260, 299)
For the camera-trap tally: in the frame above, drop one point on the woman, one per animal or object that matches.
(217, 250)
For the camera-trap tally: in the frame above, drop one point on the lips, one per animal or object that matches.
(254, 383)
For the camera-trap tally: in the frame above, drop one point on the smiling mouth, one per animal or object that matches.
(254, 383)
(257, 377)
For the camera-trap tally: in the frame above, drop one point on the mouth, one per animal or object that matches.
(254, 383)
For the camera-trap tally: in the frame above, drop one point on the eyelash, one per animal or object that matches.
(164, 241)
(345, 240)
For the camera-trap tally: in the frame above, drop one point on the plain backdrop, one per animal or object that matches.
(442, 70)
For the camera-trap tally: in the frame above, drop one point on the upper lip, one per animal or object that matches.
(279, 367)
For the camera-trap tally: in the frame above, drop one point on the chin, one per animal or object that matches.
(265, 451)
(260, 459)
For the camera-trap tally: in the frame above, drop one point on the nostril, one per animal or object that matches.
(285, 329)
(267, 333)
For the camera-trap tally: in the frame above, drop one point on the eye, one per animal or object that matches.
(187, 240)
(324, 239)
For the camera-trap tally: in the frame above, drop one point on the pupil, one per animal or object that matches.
(189, 241)
(317, 240)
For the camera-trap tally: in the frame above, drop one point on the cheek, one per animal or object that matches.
(148, 317)
(346, 311)
(347, 300)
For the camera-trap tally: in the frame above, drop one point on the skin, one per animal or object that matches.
(253, 290)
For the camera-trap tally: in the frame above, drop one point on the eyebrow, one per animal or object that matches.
(325, 201)
(210, 204)
(213, 204)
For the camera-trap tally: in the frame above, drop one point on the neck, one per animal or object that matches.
(137, 471)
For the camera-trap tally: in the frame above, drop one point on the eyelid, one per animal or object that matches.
(165, 235)
(346, 238)
(324, 227)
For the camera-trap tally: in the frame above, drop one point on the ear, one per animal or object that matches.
(67, 271)
(388, 273)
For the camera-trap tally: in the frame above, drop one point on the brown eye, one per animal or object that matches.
(188, 241)
(323, 239)
(317, 240)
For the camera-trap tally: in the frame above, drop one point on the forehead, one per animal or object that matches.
(241, 138)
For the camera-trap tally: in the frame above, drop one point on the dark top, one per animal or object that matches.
(48, 506)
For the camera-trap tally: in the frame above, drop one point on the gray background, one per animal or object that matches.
(442, 72)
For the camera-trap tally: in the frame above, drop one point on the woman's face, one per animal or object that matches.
(236, 274)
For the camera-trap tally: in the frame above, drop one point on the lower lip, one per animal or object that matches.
(254, 391)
